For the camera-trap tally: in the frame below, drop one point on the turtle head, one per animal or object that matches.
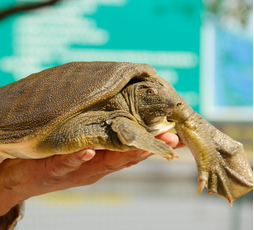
(154, 102)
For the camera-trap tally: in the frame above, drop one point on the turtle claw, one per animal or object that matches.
(211, 193)
(201, 185)
(173, 155)
(170, 156)
(230, 200)
(177, 156)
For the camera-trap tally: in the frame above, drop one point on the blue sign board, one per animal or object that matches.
(227, 76)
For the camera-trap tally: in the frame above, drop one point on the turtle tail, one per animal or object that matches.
(10, 219)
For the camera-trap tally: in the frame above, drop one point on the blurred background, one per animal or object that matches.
(204, 48)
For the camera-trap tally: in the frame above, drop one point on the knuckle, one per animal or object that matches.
(131, 164)
(70, 163)
(110, 168)
(60, 167)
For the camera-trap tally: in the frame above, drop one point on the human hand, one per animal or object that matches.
(85, 167)
(24, 178)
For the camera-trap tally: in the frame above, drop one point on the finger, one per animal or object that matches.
(169, 138)
(180, 143)
(85, 154)
(61, 165)
(115, 160)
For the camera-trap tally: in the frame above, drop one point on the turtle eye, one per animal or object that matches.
(150, 92)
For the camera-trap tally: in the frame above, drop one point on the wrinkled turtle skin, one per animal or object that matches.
(116, 106)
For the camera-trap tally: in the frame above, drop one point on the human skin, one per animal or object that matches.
(21, 179)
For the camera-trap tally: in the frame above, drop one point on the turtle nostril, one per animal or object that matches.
(178, 104)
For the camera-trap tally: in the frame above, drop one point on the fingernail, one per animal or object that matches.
(88, 154)
(174, 141)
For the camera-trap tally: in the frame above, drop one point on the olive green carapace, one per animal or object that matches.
(116, 106)
(43, 99)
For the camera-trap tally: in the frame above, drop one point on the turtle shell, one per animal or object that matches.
(37, 103)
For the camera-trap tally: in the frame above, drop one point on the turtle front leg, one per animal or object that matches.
(104, 130)
(132, 134)
(222, 163)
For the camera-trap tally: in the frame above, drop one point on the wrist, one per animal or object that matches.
(13, 178)
(8, 200)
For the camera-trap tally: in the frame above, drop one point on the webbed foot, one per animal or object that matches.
(226, 170)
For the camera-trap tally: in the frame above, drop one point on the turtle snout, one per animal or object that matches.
(175, 104)
(174, 110)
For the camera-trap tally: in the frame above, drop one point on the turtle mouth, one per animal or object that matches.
(161, 125)
(162, 112)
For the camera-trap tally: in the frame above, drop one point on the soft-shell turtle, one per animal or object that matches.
(116, 106)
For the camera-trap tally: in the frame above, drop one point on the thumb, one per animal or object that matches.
(60, 165)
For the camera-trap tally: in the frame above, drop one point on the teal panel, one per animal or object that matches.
(165, 34)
